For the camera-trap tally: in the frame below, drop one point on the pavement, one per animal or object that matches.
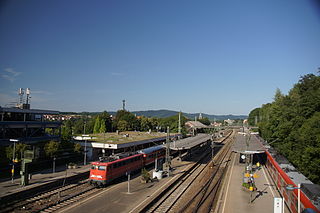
(43, 177)
(115, 198)
(234, 198)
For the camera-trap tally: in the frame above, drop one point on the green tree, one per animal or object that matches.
(78, 127)
(51, 148)
(105, 116)
(97, 125)
(172, 122)
(102, 126)
(77, 148)
(292, 123)
(254, 117)
(19, 150)
(90, 125)
(66, 130)
(123, 125)
(132, 122)
(205, 121)
(145, 123)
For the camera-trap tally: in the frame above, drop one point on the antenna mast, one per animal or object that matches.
(21, 93)
(28, 95)
(123, 104)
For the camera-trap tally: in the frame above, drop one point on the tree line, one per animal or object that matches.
(291, 124)
(95, 123)
(122, 121)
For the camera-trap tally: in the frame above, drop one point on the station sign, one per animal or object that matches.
(277, 205)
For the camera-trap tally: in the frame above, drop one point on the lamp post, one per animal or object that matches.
(13, 157)
(212, 149)
(291, 188)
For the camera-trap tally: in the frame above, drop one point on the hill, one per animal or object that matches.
(167, 113)
(163, 113)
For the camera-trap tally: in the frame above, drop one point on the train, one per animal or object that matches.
(105, 171)
(284, 174)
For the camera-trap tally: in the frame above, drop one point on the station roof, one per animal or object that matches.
(122, 145)
(31, 111)
(253, 146)
(188, 143)
(196, 125)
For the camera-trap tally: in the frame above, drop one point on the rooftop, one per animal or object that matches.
(31, 111)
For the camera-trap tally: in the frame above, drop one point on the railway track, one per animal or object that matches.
(170, 199)
(205, 197)
(53, 200)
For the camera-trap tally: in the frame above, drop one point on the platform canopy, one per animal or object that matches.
(247, 144)
(188, 143)
(196, 125)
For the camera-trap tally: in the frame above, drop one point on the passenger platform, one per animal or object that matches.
(235, 198)
(8, 188)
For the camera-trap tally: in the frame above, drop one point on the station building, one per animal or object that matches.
(27, 125)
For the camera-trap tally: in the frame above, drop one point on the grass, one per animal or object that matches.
(115, 138)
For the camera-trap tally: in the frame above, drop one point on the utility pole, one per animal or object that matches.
(85, 137)
(179, 127)
(168, 159)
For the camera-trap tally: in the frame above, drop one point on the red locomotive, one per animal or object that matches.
(102, 173)
(283, 177)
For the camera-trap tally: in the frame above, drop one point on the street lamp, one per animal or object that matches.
(290, 187)
(13, 157)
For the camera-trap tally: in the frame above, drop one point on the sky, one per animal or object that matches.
(209, 56)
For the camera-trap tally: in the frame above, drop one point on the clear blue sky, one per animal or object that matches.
(217, 57)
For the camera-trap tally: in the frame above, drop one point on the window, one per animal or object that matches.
(103, 168)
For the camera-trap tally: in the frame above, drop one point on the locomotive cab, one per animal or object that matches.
(98, 173)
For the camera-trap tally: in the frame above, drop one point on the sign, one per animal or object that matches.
(277, 205)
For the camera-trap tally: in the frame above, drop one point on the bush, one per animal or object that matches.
(145, 176)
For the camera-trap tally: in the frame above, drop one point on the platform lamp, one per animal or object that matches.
(13, 157)
(290, 187)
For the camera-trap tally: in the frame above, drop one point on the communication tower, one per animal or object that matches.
(21, 93)
(123, 104)
(21, 103)
(28, 95)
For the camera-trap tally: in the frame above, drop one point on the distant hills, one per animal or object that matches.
(167, 113)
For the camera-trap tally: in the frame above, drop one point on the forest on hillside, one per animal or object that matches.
(291, 124)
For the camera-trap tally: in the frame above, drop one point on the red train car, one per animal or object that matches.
(281, 179)
(101, 173)
(152, 153)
